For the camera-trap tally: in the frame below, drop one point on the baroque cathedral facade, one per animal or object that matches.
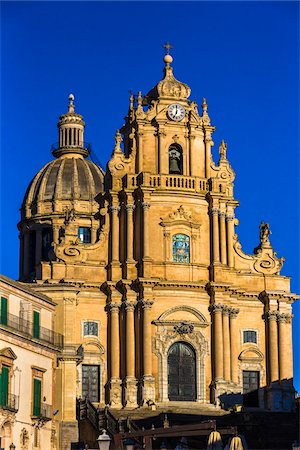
(156, 300)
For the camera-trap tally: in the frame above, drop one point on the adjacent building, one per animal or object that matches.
(28, 357)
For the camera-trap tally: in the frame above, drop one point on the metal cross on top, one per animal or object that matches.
(168, 46)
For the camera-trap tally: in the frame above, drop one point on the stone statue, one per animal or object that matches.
(264, 232)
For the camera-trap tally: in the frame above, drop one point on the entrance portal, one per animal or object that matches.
(181, 372)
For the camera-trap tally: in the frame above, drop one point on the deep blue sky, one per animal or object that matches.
(241, 56)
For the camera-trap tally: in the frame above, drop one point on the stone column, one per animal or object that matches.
(26, 238)
(192, 138)
(130, 381)
(285, 346)
(56, 233)
(163, 161)
(129, 209)
(215, 236)
(115, 382)
(148, 380)
(94, 234)
(218, 341)
(146, 207)
(140, 151)
(223, 238)
(234, 340)
(230, 233)
(115, 232)
(226, 344)
(273, 346)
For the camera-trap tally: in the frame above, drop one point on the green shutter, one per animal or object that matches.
(4, 386)
(3, 311)
(36, 324)
(37, 391)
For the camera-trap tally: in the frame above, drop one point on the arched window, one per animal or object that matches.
(175, 159)
(181, 248)
(181, 372)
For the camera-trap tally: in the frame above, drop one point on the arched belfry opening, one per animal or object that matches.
(175, 159)
(181, 372)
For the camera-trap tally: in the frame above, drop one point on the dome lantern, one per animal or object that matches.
(71, 133)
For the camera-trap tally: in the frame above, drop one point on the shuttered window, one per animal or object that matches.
(37, 392)
(36, 324)
(4, 377)
(3, 311)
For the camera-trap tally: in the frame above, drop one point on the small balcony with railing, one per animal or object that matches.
(9, 402)
(42, 411)
(30, 330)
(169, 182)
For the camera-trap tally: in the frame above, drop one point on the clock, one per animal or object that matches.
(176, 112)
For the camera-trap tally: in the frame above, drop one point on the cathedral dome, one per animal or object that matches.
(66, 178)
(70, 178)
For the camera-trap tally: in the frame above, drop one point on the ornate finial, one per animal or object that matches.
(168, 58)
(264, 232)
(205, 116)
(168, 47)
(71, 104)
(118, 140)
(222, 149)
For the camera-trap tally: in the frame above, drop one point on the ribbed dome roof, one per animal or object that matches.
(68, 178)
(71, 178)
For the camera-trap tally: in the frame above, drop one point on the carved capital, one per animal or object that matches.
(222, 214)
(129, 306)
(214, 211)
(234, 312)
(114, 307)
(114, 209)
(271, 315)
(130, 208)
(145, 206)
(226, 310)
(147, 304)
(229, 217)
(284, 317)
(216, 308)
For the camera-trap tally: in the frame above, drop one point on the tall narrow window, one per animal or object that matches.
(3, 315)
(91, 382)
(84, 234)
(36, 324)
(175, 159)
(4, 380)
(37, 394)
(181, 248)
(47, 238)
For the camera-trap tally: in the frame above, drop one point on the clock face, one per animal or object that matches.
(176, 112)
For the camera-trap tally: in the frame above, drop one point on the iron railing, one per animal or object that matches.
(81, 144)
(9, 402)
(26, 328)
(42, 411)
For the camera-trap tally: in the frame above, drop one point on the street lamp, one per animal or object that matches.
(104, 441)
(12, 447)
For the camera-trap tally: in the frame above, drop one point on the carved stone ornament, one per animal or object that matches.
(264, 259)
(181, 215)
(185, 327)
(170, 87)
(24, 439)
(119, 165)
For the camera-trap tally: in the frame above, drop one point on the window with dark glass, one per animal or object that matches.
(181, 248)
(90, 329)
(90, 382)
(249, 336)
(175, 159)
(84, 234)
(47, 238)
(250, 388)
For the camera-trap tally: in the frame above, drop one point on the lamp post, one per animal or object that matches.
(104, 441)
(12, 447)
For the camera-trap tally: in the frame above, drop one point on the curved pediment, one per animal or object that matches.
(183, 313)
(252, 354)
